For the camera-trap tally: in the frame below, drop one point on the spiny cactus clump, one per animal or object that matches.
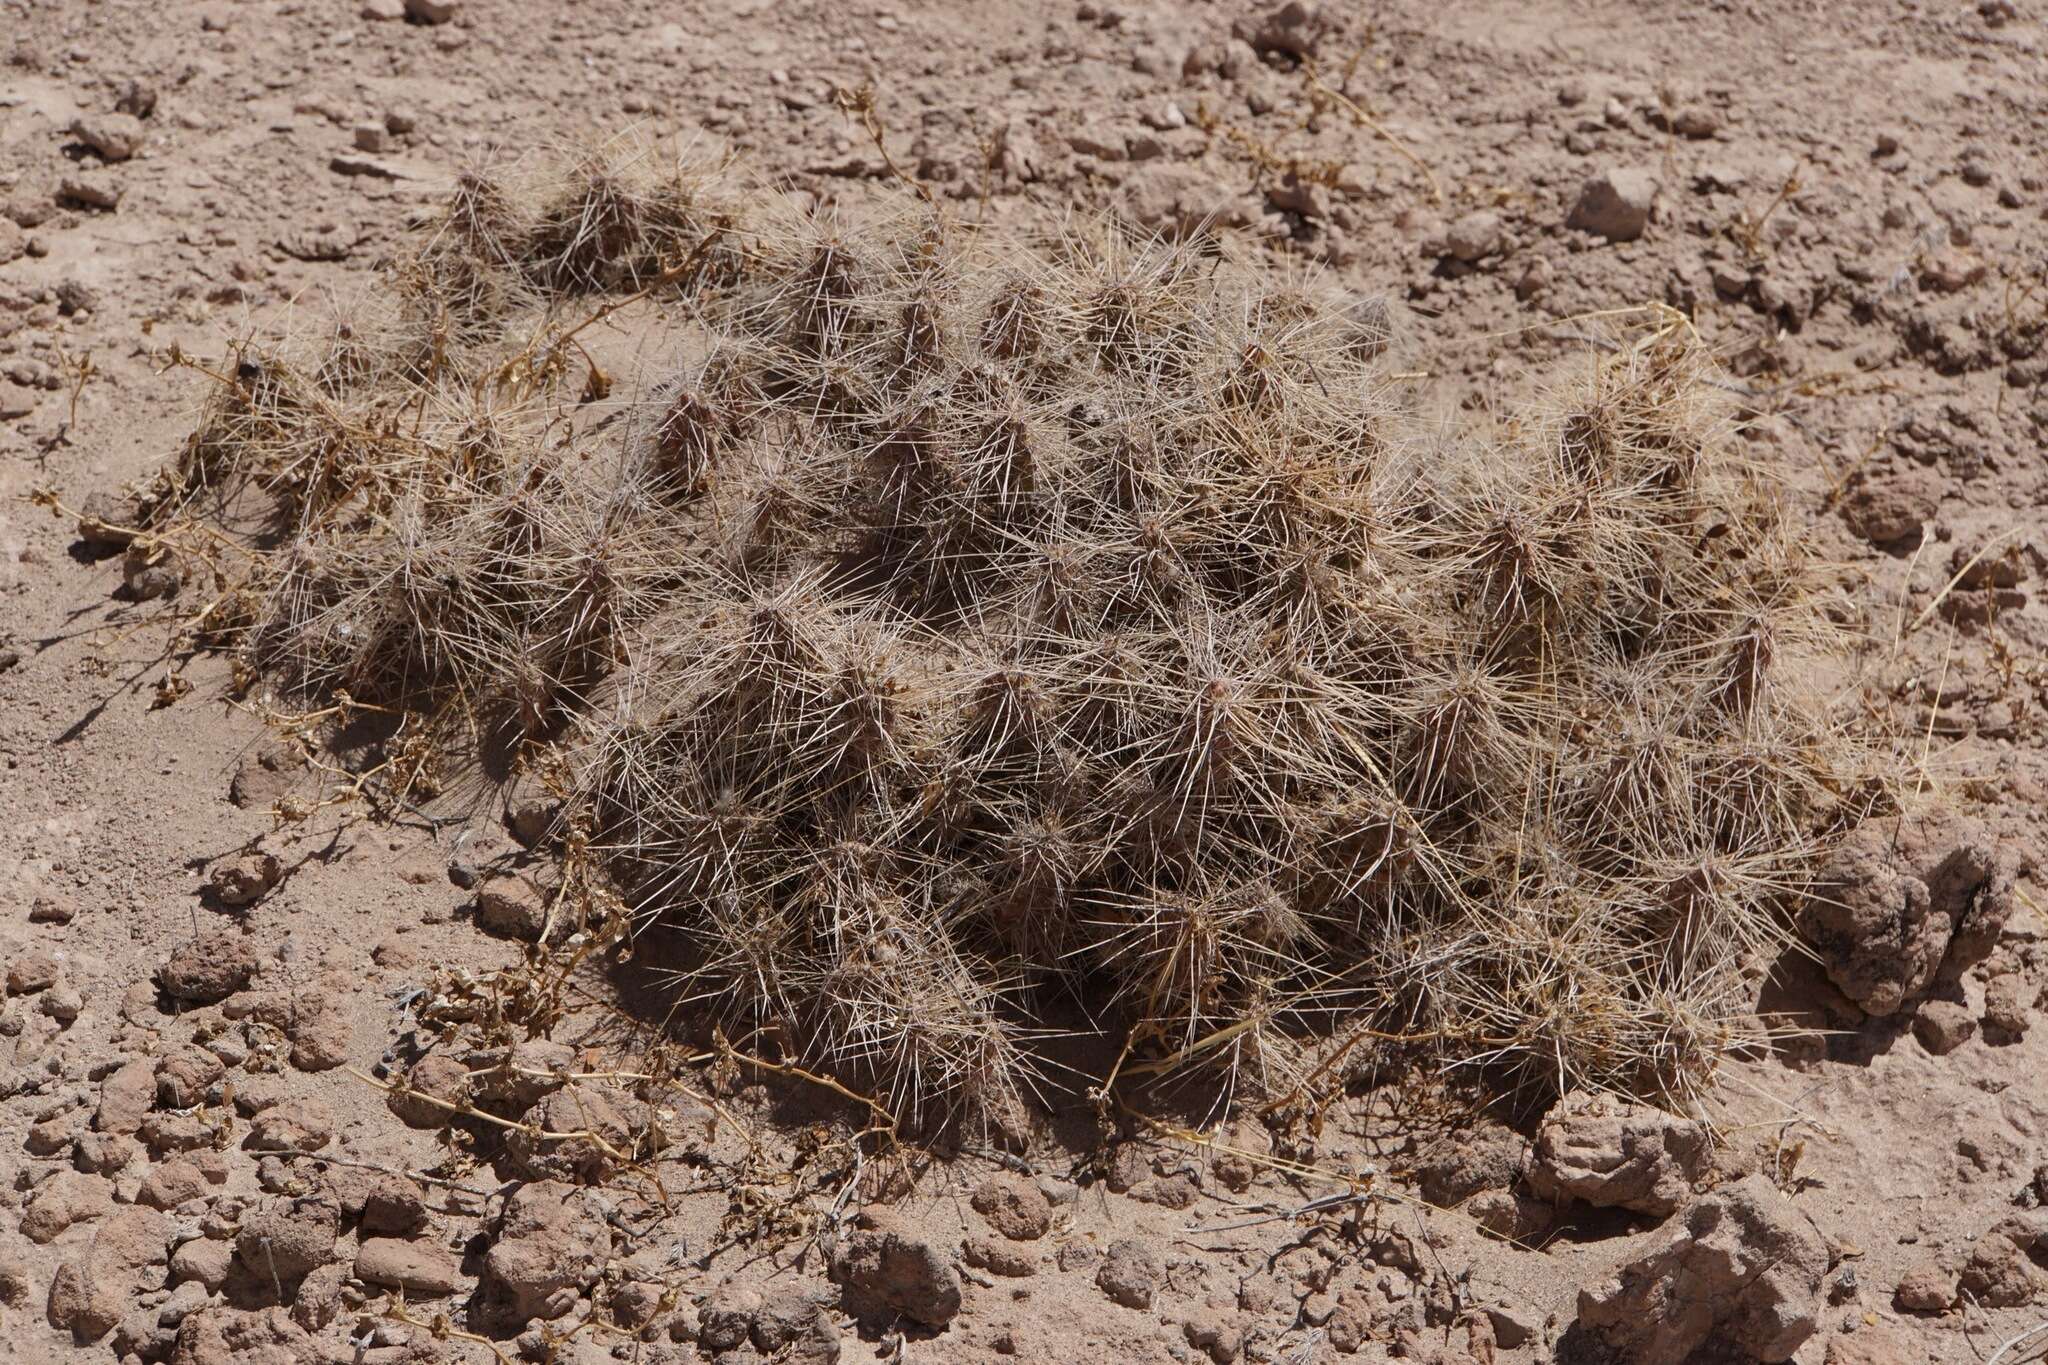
(973, 629)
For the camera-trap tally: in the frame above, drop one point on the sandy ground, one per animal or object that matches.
(1849, 202)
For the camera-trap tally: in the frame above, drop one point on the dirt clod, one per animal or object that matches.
(551, 1243)
(1745, 1268)
(210, 968)
(886, 1269)
(1013, 1206)
(1612, 1154)
(1906, 903)
(1615, 204)
(1130, 1273)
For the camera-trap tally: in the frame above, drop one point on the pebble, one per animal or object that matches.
(1942, 1026)
(1614, 204)
(88, 190)
(116, 137)
(1474, 236)
(31, 972)
(56, 908)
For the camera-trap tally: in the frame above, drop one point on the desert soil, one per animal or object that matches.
(195, 1161)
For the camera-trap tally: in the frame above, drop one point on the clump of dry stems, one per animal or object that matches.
(969, 629)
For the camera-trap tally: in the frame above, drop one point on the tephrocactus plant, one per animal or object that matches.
(964, 628)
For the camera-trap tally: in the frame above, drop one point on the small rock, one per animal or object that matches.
(1511, 1214)
(1615, 204)
(244, 879)
(522, 1076)
(1745, 1272)
(1474, 236)
(432, 11)
(435, 1077)
(164, 1133)
(171, 1184)
(885, 1268)
(116, 137)
(1892, 511)
(1130, 1273)
(265, 776)
(636, 1303)
(792, 1322)
(208, 969)
(323, 1296)
(552, 1241)
(1488, 1156)
(1872, 1344)
(1696, 121)
(394, 1207)
(126, 1097)
(31, 972)
(55, 908)
(512, 907)
(576, 1108)
(289, 1239)
(1181, 200)
(105, 1153)
(727, 1319)
(1905, 903)
(1514, 1325)
(1998, 1274)
(1292, 194)
(90, 1292)
(322, 1029)
(55, 1134)
(185, 1075)
(382, 11)
(301, 1125)
(999, 1257)
(1613, 1154)
(64, 1004)
(419, 1268)
(66, 1198)
(1942, 1026)
(205, 1261)
(1211, 1331)
(91, 190)
(1292, 29)
(1013, 1206)
(1926, 1287)
(2007, 1004)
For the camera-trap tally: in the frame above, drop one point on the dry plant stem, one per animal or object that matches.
(469, 1111)
(439, 1328)
(1927, 612)
(1359, 1183)
(860, 103)
(1365, 120)
(422, 1177)
(2017, 1342)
